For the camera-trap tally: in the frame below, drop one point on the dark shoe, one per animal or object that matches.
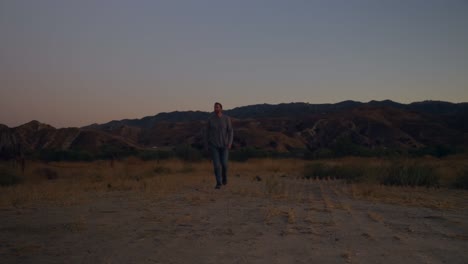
(218, 186)
(224, 181)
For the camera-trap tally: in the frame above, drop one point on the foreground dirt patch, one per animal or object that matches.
(252, 220)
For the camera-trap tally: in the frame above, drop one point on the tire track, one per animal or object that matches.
(376, 228)
(359, 232)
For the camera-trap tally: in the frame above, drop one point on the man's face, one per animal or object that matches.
(217, 109)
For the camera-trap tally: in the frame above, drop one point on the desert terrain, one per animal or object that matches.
(133, 211)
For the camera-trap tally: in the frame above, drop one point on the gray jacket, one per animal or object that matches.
(218, 131)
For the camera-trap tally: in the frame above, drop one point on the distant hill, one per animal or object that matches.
(290, 110)
(35, 136)
(150, 121)
(344, 128)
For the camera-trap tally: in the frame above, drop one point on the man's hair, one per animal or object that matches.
(220, 105)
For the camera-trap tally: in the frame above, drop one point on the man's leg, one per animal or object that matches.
(224, 163)
(216, 165)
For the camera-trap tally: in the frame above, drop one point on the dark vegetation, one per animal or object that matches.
(183, 152)
(410, 175)
(462, 180)
(47, 173)
(323, 171)
(186, 152)
(9, 176)
(398, 173)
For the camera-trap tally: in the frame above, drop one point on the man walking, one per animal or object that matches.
(218, 138)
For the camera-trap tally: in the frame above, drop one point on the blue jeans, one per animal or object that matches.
(220, 163)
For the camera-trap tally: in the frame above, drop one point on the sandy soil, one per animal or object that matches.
(244, 222)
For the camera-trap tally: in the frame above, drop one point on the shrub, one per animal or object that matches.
(187, 168)
(154, 155)
(322, 153)
(438, 151)
(8, 177)
(247, 153)
(316, 171)
(323, 171)
(344, 146)
(462, 180)
(65, 155)
(109, 151)
(162, 170)
(47, 173)
(342, 149)
(410, 175)
(187, 153)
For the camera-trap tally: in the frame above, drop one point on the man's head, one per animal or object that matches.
(218, 108)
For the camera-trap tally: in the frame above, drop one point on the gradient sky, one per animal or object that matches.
(73, 63)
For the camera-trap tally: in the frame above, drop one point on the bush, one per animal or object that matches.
(65, 155)
(344, 146)
(108, 152)
(187, 168)
(47, 173)
(323, 171)
(162, 170)
(322, 153)
(105, 152)
(187, 153)
(410, 175)
(8, 177)
(438, 151)
(462, 180)
(316, 171)
(245, 154)
(154, 155)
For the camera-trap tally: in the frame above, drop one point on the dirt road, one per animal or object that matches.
(248, 221)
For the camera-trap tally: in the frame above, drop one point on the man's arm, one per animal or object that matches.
(206, 134)
(230, 133)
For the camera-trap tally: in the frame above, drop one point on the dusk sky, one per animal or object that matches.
(74, 63)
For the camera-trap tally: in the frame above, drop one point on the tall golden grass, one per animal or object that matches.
(75, 181)
(78, 182)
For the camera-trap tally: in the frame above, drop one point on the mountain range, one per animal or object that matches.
(283, 128)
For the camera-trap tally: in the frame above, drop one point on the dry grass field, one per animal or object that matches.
(271, 211)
